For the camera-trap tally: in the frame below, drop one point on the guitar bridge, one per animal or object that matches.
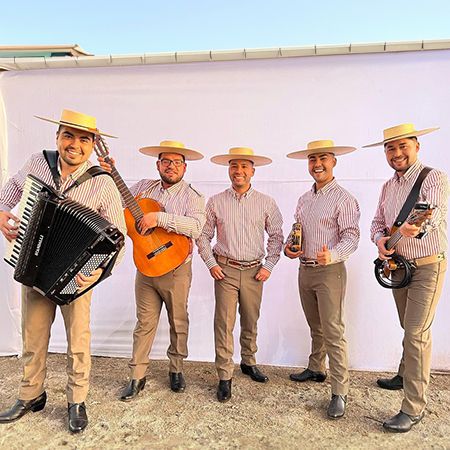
(159, 250)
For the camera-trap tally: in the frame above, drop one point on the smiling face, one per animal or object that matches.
(74, 147)
(241, 172)
(402, 154)
(171, 168)
(320, 166)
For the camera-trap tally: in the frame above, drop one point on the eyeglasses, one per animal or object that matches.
(176, 162)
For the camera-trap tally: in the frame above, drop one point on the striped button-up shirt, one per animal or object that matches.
(99, 193)
(184, 207)
(241, 221)
(434, 190)
(329, 216)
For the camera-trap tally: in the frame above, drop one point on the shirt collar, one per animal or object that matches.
(74, 175)
(328, 187)
(172, 189)
(238, 196)
(411, 173)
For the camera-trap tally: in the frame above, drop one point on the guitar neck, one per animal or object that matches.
(393, 240)
(128, 199)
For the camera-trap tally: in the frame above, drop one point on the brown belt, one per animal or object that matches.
(241, 265)
(309, 262)
(428, 260)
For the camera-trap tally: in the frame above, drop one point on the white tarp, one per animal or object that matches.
(275, 107)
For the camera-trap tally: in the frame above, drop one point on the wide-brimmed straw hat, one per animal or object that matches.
(323, 146)
(402, 131)
(241, 153)
(80, 121)
(171, 147)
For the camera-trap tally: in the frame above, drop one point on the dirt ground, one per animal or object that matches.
(278, 415)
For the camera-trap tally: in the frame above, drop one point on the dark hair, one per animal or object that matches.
(184, 160)
(409, 137)
(68, 126)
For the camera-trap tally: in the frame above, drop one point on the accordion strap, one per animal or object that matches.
(92, 172)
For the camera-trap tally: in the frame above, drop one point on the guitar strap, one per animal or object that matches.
(412, 197)
(51, 157)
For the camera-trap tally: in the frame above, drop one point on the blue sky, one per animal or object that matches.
(113, 27)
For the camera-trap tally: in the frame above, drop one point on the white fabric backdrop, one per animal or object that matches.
(274, 106)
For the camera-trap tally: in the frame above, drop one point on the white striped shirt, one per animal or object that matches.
(184, 207)
(99, 193)
(434, 190)
(330, 217)
(241, 222)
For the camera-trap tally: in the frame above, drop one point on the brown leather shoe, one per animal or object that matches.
(336, 408)
(132, 389)
(393, 384)
(402, 422)
(308, 374)
(77, 417)
(224, 390)
(21, 407)
(254, 373)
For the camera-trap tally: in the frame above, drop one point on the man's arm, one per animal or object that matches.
(274, 229)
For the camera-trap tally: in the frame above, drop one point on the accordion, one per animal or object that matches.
(57, 239)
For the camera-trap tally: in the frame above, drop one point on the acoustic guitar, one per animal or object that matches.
(158, 251)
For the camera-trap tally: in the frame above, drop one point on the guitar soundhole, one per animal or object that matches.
(147, 233)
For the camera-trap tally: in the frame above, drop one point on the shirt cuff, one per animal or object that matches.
(211, 262)
(268, 265)
(377, 237)
(162, 220)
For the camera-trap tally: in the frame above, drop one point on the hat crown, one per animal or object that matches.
(241, 151)
(313, 145)
(174, 144)
(78, 119)
(398, 131)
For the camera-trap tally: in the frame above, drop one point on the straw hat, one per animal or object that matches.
(77, 120)
(323, 146)
(171, 147)
(402, 131)
(241, 153)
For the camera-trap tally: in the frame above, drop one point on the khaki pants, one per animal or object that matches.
(416, 306)
(238, 287)
(38, 314)
(322, 291)
(171, 289)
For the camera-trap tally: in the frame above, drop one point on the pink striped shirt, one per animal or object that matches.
(99, 193)
(434, 190)
(241, 222)
(329, 217)
(184, 207)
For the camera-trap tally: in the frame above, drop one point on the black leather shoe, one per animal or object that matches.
(224, 390)
(77, 417)
(177, 383)
(308, 374)
(336, 408)
(393, 384)
(132, 390)
(254, 373)
(402, 422)
(21, 407)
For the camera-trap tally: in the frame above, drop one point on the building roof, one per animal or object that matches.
(78, 58)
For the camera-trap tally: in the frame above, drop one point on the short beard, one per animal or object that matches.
(169, 181)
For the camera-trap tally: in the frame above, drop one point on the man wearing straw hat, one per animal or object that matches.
(75, 141)
(184, 213)
(241, 216)
(329, 217)
(416, 303)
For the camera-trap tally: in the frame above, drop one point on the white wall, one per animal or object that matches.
(274, 106)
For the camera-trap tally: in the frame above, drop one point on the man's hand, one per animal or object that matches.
(8, 230)
(104, 165)
(217, 273)
(262, 275)
(383, 252)
(148, 221)
(324, 257)
(84, 281)
(290, 254)
(409, 230)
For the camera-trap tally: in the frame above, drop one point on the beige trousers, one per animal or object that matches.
(238, 287)
(38, 314)
(416, 306)
(171, 289)
(322, 292)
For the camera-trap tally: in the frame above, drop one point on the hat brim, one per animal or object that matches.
(76, 126)
(156, 150)
(224, 160)
(403, 136)
(303, 154)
